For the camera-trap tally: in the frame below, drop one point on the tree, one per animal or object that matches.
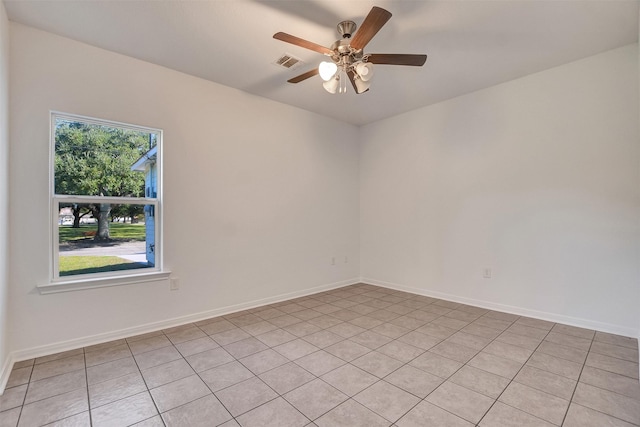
(96, 160)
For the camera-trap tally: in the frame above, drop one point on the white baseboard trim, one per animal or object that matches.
(520, 311)
(30, 353)
(5, 372)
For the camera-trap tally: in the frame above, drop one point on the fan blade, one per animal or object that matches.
(312, 72)
(397, 59)
(353, 83)
(375, 20)
(288, 38)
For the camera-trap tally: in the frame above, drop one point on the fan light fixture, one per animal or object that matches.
(327, 70)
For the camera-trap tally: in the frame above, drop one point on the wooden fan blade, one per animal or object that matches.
(288, 38)
(312, 72)
(375, 20)
(353, 83)
(397, 59)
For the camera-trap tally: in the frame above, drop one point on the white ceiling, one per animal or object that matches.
(470, 44)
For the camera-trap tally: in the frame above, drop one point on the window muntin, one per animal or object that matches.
(105, 198)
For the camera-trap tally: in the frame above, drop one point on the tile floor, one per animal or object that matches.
(355, 356)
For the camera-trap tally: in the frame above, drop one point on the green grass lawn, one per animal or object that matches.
(72, 265)
(117, 231)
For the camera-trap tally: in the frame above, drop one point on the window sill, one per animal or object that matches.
(101, 282)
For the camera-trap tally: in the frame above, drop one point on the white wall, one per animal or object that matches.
(4, 191)
(537, 178)
(258, 195)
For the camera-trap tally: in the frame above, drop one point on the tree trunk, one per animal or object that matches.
(103, 223)
(76, 217)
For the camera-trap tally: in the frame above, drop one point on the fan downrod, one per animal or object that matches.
(346, 29)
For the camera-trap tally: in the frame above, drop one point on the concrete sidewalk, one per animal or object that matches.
(132, 251)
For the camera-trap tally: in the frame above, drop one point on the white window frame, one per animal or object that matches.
(92, 280)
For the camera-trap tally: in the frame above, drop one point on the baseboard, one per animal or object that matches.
(48, 349)
(6, 371)
(520, 311)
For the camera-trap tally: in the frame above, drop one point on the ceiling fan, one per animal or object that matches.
(347, 56)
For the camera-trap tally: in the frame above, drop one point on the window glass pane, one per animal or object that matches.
(99, 238)
(101, 160)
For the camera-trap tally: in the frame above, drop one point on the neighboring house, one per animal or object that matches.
(147, 164)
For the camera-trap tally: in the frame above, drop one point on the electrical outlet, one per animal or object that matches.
(174, 284)
(486, 272)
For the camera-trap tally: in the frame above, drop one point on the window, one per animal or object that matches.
(105, 188)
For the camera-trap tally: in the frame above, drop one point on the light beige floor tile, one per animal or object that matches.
(24, 363)
(501, 415)
(620, 352)
(436, 364)
(264, 361)
(166, 373)
(494, 323)
(296, 349)
(124, 412)
(54, 408)
(346, 330)
(226, 375)
(286, 377)
(461, 401)
(581, 416)
(204, 412)
(351, 414)
(149, 344)
(209, 359)
(469, 340)
(450, 323)
(58, 384)
(366, 322)
(481, 331)
(245, 396)
(484, 382)
(457, 352)
(370, 339)
(612, 364)
(574, 331)
(568, 340)
(277, 413)
(246, 347)
(616, 340)
(519, 340)
(57, 367)
(155, 421)
(323, 339)
(427, 414)
(230, 336)
(387, 400)
(390, 330)
(105, 345)
(302, 329)
(259, 328)
(383, 315)
(419, 340)
(325, 321)
(116, 389)
(111, 370)
(320, 362)
(143, 336)
(535, 323)
(270, 313)
(347, 350)
(216, 327)
(276, 337)
(377, 364)
(502, 316)
(407, 322)
(108, 354)
(315, 398)
(13, 397)
(401, 351)
(79, 420)
(528, 331)
(548, 382)
(414, 380)
(462, 315)
(179, 392)
(196, 346)
(349, 379)
(58, 356)
(620, 384)
(288, 320)
(535, 402)
(345, 315)
(157, 357)
(399, 309)
(563, 352)
(563, 367)
(10, 417)
(610, 403)
(508, 351)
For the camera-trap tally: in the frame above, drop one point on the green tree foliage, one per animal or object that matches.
(95, 160)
